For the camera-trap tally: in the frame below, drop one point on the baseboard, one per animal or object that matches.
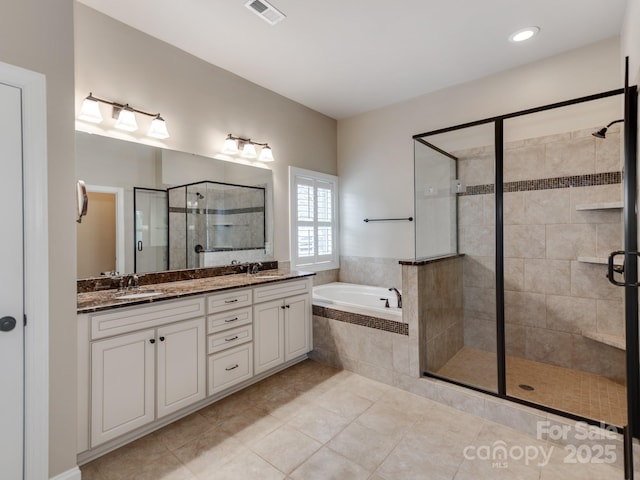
(71, 474)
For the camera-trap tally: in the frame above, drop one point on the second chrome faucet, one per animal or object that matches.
(398, 295)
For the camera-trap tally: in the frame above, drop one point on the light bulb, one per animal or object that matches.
(90, 111)
(266, 155)
(249, 150)
(230, 146)
(158, 128)
(127, 120)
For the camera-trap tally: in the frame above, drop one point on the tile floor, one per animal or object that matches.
(586, 394)
(313, 422)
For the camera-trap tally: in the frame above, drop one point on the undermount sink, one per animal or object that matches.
(133, 295)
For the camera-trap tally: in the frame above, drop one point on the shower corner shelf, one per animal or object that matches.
(611, 340)
(598, 260)
(600, 206)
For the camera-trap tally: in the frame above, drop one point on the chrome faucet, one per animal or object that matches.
(253, 268)
(134, 281)
(398, 294)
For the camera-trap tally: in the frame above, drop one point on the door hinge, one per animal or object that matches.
(25, 319)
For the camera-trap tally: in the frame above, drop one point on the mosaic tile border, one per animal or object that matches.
(362, 320)
(587, 180)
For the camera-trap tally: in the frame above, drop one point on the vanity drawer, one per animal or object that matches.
(281, 290)
(220, 302)
(124, 320)
(230, 367)
(232, 318)
(229, 338)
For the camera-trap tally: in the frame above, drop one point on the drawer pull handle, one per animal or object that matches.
(232, 368)
(231, 301)
(231, 339)
(231, 320)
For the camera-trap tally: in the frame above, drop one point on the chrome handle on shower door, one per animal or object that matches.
(612, 269)
(139, 245)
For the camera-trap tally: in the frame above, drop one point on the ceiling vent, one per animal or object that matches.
(265, 10)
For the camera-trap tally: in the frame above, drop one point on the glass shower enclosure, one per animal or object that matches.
(533, 202)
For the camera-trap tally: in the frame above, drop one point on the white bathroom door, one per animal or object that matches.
(11, 286)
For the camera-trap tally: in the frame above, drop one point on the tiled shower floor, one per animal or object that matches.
(581, 393)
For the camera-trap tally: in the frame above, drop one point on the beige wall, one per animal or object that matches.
(39, 36)
(201, 103)
(373, 144)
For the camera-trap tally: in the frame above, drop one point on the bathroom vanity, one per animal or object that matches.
(160, 352)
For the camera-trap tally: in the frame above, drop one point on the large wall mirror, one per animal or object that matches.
(153, 209)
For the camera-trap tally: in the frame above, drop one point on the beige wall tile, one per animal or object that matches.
(470, 210)
(524, 163)
(515, 339)
(547, 276)
(609, 237)
(524, 241)
(570, 157)
(478, 271)
(514, 274)
(596, 194)
(571, 314)
(547, 346)
(489, 209)
(608, 153)
(480, 333)
(513, 206)
(477, 240)
(610, 317)
(589, 281)
(480, 302)
(477, 170)
(570, 241)
(525, 308)
(547, 206)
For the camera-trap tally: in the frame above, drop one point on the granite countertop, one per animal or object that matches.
(106, 299)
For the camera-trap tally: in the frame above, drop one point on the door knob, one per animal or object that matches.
(7, 324)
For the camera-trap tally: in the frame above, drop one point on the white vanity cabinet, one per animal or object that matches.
(282, 323)
(141, 374)
(141, 367)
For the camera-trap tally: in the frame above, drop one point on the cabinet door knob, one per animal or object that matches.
(283, 307)
(152, 340)
(288, 306)
(162, 339)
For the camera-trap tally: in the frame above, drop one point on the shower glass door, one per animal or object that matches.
(151, 230)
(562, 216)
(455, 199)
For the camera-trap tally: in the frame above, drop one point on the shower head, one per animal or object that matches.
(602, 133)
(199, 196)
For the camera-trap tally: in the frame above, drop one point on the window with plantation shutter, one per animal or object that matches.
(314, 220)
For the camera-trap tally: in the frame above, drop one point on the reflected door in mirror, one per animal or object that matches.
(97, 236)
(151, 230)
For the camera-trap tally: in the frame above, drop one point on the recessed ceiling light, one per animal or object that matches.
(523, 34)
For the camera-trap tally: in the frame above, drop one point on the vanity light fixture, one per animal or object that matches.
(90, 111)
(247, 148)
(124, 115)
(523, 34)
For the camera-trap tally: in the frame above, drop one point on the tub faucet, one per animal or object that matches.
(398, 294)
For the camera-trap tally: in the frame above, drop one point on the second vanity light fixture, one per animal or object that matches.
(247, 148)
(125, 115)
